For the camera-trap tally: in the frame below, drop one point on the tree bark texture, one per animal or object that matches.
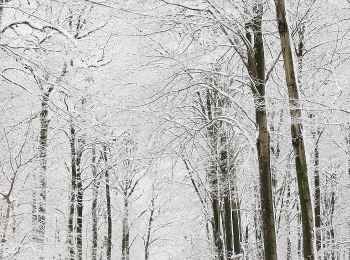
(256, 66)
(94, 205)
(297, 133)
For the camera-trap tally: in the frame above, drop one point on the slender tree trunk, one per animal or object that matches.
(72, 206)
(125, 226)
(330, 205)
(94, 205)
(213, 180)
(80, 194)
(332, 235)
(236, 226)
(228, 227)
(299, 231)
(147, 242)
(347, 140)
(256, 61)
(108, 205)
(217, 228)
(296, 133)
(246, 239)
(236, 216)
(289, 242)
(317, 192)
(39, 191)
(227, 218)
(257, 225)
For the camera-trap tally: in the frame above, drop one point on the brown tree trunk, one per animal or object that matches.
(256, 61)
(257, 226)
(296, 133)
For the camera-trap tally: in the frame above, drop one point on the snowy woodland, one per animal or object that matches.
(174, 129)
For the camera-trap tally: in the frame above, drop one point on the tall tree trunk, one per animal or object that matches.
(237, 233)
(80, 194)
(108, 205)
(246, 240)
(256, 61)
(317, 192)
(331, 226)
(329, 234)
(125, 225)
(217, 227)
(299, 231)
(257, 226)
(39, 191)
(94, 204)
(71, 225)
(347, 140)
(288, 202)
(213, 179)
(148, 241)
(75, 219)
(227, 218)
(236, 216)
(296, 133)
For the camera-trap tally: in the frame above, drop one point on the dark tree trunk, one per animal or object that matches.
(217, 228)
(108, 205)
(317, 193)
(148, 241)
(258, 239)
(39, 191)
(227, 218)
(288, 219)
(125, 227)
(94, 204)
(71, 225)
(236, 225)
(75, 219)
(297, 133)
(256, 62)
(213, 179)
(80, 194)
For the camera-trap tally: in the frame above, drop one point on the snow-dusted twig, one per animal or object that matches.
(39, 27)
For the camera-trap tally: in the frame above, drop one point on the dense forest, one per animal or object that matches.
(174, 129)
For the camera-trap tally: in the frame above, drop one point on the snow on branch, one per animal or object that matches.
(100, 26)
(39, 27)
